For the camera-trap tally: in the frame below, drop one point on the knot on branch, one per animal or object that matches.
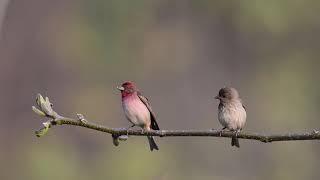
(316, 132)
(82, 119)
(116, 138)
(265, 139)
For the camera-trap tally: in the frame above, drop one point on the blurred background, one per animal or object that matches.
(179, 53)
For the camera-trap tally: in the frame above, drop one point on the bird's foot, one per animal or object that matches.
(129, 128)
(221, 131)
(237, 132)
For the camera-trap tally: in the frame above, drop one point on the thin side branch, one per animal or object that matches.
(44, 108)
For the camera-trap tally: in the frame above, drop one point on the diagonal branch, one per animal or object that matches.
(44, 108)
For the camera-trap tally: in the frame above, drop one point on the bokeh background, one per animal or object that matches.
(179, 53)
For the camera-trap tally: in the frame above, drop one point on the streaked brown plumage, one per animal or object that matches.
(231, 112)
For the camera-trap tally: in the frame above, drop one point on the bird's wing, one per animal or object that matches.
(244, 107)
(154, 124)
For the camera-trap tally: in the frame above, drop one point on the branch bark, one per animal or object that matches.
(44, 108)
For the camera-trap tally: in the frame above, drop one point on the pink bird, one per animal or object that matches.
(138, 111)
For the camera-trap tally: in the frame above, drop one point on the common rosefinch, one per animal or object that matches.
(138, 111)
(231, 112)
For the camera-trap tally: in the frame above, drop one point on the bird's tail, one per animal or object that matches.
(152, 143)
(235, 142)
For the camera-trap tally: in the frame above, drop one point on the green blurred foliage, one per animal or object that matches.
(179, 53)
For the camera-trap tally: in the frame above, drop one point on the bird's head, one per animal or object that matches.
(227, 94)
(127, 89)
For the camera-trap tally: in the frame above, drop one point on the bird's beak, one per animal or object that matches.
(120, 88)
(217, 97)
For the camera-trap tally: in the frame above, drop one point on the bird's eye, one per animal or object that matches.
(129, 90)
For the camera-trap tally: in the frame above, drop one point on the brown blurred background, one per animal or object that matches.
(179, 52)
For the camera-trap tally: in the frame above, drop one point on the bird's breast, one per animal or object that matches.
(135, 111)
(232, 116)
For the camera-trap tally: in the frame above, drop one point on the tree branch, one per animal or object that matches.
(44, 108)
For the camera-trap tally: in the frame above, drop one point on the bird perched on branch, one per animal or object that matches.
(231, 112)
(138, 111)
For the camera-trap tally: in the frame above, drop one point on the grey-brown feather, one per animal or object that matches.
(154, 124)
(231, 112)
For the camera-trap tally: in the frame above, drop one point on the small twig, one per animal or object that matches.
(44, 108)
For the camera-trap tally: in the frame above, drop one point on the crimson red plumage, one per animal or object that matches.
(129, 89)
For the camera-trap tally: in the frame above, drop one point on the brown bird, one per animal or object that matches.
(231, 112)
(138, 110)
